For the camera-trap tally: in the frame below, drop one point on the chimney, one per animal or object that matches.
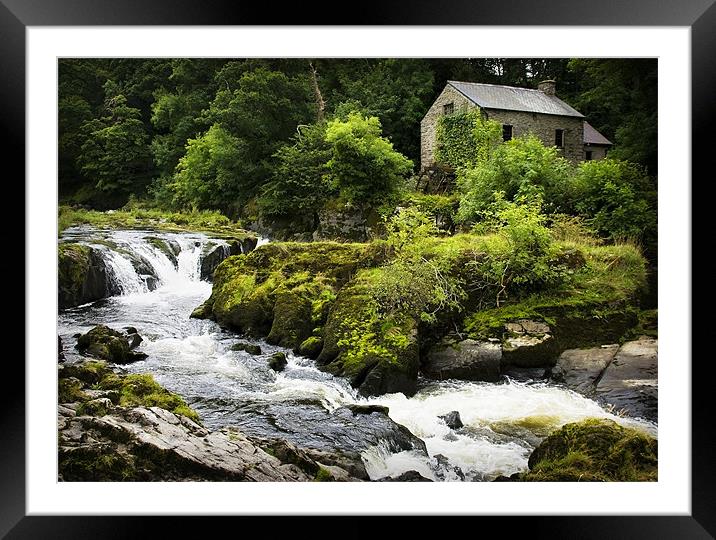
(548, 87)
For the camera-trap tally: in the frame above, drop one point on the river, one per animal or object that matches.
(503, 422)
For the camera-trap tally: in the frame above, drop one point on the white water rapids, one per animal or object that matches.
(503, 422)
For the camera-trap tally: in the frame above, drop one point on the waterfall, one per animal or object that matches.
(136, 263)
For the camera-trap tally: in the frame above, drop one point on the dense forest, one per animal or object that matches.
(250, 137)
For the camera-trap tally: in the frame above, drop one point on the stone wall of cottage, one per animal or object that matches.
(429, 124)
(544, 126)
(598, 152)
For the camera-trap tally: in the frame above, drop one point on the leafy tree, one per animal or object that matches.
(299, 183)
(206, 176)
(364, 167)
(397, 91)
(520, 167)
(115, 154)
(619, 96)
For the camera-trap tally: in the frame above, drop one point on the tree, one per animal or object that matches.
(364, 167)
(115, 155)
(619, 96)
(299, 184)
(206, 177)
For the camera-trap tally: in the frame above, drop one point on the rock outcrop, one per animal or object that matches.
(469, 360)
(107, 433)
(82, 276)
(623, 377)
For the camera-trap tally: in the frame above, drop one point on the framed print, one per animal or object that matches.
(301, 266)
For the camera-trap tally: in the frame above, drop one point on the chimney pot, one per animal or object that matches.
(548, 87)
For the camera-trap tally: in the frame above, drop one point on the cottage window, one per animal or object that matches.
(588, 155)
(448, 108)
(506, 132)
(559, 138)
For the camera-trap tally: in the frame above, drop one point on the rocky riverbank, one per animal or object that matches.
(126, 427)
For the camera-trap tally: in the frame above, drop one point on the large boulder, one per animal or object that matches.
(82, 276)
(594, 450)
(630, 382)
(580, 369)
(468, 360)
(105, 343)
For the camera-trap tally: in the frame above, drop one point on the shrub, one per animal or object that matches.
(522, 167)
(617, 197)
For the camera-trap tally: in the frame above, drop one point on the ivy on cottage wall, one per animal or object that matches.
(466, 139)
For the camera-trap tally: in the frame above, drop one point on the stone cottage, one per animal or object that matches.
(519, 110)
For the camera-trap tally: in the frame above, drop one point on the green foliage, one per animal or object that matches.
(115, 154)
(299, 183)
(206, 176)
(442, 208)
(520, 167)
(619, 96)
(617, 197)
(466, 139)
(363, 165)
(519, 257)
(138, 217)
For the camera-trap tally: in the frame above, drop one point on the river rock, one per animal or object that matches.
(579, 369)
(368, 409)
(105, 343)
(594, 450)
(407, 476)
(311, 347)
(211, 258)
(452, 419)
(278, 361)
(60, 352)
(630, 382)
(528, 343)
(247, 347)
(82, 276)
(468, 360)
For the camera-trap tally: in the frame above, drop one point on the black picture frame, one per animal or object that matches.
(699, 15)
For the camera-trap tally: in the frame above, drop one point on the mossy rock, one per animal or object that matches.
(594, 450)
(379, 354)
(247, 347)
(69, 390)
(278, 361)
(105, 343)
(292, 322)
(82, 276)
(90, 372)
(311, 347)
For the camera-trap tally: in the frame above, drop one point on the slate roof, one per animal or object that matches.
(511, 98)
(592, 136)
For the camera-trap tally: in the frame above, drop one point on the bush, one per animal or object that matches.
(522, 167)
(618, 198)
(519, 257)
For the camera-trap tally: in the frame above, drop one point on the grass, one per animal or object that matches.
(150, 218)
